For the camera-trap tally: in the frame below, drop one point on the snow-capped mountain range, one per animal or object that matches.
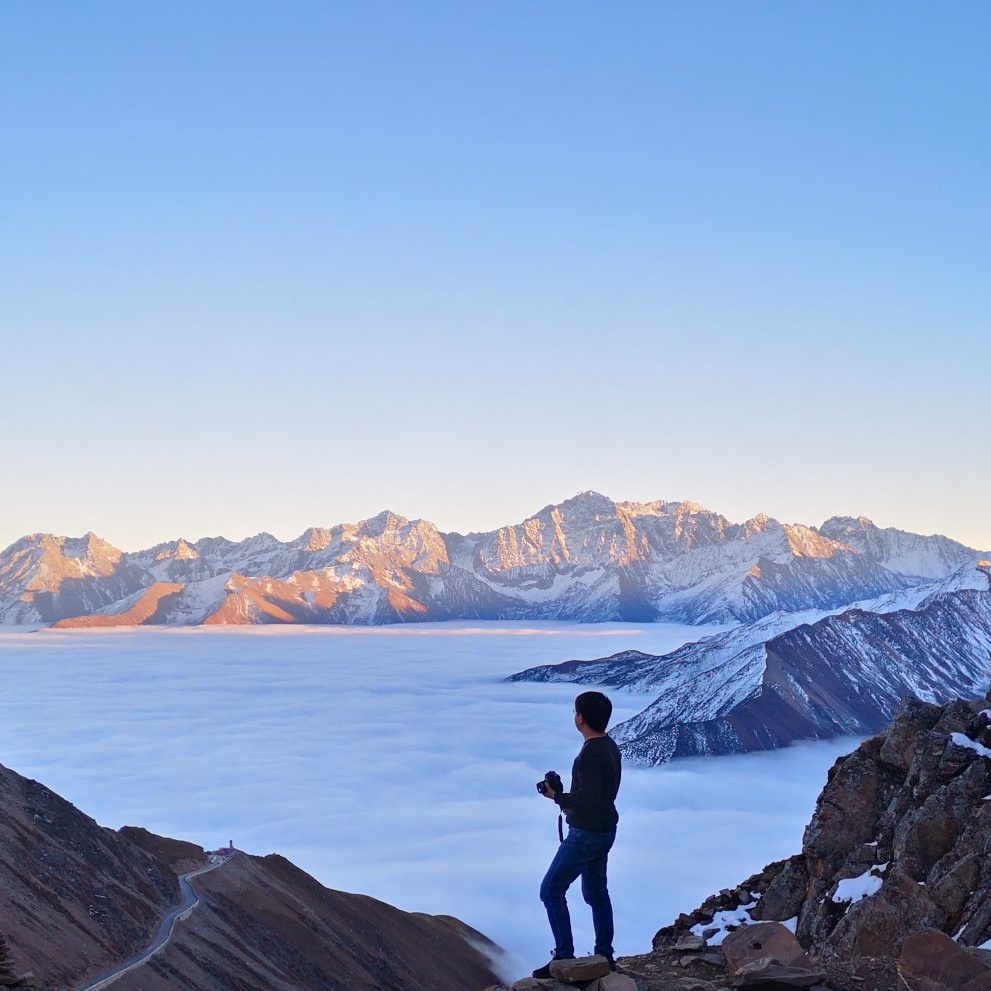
(588, 559)
(799, 676)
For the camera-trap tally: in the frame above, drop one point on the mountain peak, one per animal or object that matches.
(588, 498)
(847, 524)
(315, 538)
(760, 523)
(180, 551)
(687, 506)
(386, 518)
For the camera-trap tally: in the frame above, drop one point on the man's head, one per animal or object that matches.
(594, 709)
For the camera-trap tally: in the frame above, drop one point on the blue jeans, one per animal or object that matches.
(582, 853)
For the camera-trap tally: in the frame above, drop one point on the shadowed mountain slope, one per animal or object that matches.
(754, 688)
(77, 898)
(265, 925)
(74, 897)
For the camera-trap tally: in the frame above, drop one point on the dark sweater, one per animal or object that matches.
(591, 803)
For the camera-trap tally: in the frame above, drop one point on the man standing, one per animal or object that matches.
(590, 811)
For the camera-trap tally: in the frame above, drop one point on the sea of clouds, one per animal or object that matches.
(391, 761)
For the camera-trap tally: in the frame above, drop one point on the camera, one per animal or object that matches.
(551, 784)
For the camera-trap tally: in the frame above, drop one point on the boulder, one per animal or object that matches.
(931, 961)
(762, 940)
(766, 972)
(690, 942)
(579, 969)
(613, 982)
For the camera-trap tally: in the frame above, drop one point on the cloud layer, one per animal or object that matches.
(390, 761)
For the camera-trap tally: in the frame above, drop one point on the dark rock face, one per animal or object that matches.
(897, 843)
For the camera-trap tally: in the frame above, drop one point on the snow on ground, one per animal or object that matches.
(852, 889)
(962, 740)
(392, 761)
(724, 923)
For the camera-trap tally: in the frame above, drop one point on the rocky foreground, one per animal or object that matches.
(892, 888)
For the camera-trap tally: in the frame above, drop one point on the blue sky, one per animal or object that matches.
(270, 266)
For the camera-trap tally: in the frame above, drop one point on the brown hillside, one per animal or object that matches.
(77, 898)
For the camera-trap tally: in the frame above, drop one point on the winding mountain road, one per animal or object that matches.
(189, 902)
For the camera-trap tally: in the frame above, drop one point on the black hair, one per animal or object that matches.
(595, 709)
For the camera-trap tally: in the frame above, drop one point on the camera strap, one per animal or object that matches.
(560, 827)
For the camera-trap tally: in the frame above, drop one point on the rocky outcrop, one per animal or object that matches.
(588, 559)
(897, 843)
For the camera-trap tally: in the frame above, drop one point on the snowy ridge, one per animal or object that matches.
(790, 677)
(588, 559)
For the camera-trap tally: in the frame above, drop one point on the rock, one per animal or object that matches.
(955, 884)
(912, 717)
(763, 940)
(690, 984)
(710, 958)
(784, 894)
(956, 716)
(983, 955)
(766, 971)
(716, 959)
(579, 969)
(877, 925)
(848, 808)
(931, 961)
(690, 942)
(613, 982)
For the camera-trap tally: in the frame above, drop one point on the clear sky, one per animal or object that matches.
(265, 266)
